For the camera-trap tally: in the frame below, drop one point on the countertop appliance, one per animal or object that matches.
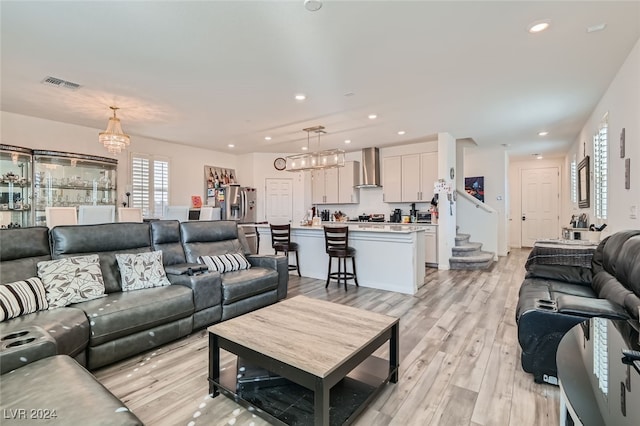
(423, 217)
(396, 216)
(375, 217)
(236, 203)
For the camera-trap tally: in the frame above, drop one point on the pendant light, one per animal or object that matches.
(114, 139)
(326, 159)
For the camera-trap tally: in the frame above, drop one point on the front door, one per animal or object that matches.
(540, 205)
(279, 201)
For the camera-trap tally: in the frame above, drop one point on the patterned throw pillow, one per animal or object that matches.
(225, 262)
(71, 280)
(141, 270)
(22, 297)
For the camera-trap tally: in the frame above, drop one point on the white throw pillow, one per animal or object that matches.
(225, 262)
(22, 297)
(141, 270)
(71, 280)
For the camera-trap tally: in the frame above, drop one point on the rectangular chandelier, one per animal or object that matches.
(317, 160)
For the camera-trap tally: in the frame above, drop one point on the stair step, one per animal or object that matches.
(482, 260)
(466, 250)
(462, 239)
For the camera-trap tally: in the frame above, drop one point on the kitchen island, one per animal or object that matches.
(388, 257)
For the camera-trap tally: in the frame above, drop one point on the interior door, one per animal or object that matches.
(279, 201)
(540, 205)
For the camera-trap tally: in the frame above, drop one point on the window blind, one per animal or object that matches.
(601, 168)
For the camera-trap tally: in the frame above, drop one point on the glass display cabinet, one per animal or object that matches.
(62, 179)
(15, 187)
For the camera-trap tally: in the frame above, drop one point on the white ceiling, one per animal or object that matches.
(211, 73)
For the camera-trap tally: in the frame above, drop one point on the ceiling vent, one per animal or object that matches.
(58, 82)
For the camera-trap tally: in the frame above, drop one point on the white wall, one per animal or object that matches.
(622, 102)
(492, 163)
(186, 162)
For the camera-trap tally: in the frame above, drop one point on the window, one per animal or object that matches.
(574, 180)
(600, 168)
(149, 184)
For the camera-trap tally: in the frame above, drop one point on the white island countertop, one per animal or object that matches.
(388, 256)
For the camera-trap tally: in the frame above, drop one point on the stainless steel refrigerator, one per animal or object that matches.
(236, 203)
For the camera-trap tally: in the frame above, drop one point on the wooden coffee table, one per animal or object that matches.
(319, 347)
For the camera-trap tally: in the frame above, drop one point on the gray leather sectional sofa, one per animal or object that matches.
(555, 298)
(122, 323)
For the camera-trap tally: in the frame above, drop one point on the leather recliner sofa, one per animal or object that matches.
(122, 324)
(554, 298)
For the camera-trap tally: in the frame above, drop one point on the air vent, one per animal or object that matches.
(58, 82)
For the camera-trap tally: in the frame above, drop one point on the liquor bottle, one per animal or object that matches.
(216, 181)
(226, 178)
(232, 180)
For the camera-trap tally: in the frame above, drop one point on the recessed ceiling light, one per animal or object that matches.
(539, 157)
(372, 116)
(304, 148)
(539, 26)
(543, 133)
(506, 145)
(312, 5)
(596, 28)
(231, 145)
(267, 138)
(401, 132)
(347, 141)
(301, 97)
(349, 94)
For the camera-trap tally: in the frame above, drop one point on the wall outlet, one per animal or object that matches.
(633, 212)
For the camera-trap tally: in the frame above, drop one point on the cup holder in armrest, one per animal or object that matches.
(21, 342)
(546, 305)
(15, 335)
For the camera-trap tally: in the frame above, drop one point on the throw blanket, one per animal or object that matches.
(561, 252)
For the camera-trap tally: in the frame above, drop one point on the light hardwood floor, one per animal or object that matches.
(459, 359)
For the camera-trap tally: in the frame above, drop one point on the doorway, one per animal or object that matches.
(279, 201)
(540, 200)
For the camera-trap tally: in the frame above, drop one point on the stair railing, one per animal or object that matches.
(479, 220)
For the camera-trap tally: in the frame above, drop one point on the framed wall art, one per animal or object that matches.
(583, 183)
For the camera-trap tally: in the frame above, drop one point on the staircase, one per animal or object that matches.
(467, 255)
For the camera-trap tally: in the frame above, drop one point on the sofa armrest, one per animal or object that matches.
(588, 308)
(206, 288)
(277, 263)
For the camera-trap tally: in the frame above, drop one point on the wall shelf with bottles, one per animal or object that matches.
(62, 179)
(15, 186)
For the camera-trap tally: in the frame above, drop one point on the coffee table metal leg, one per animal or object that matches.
(321, 404)
(214, 364)
(394, 352)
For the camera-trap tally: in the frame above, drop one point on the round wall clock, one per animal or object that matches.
(280, 163)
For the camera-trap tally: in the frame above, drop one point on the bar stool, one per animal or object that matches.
(281, 242)
(336, 240)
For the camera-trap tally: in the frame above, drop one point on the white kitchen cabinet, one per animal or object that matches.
(431, 245)
(419, 171)
(348, 178)
(324, 186)
(392, 179)
(428, 174)
(411, 182)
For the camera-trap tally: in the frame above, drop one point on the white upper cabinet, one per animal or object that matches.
(336, 185)
(428, 174)
(409, 178)
(348, 178)
(391, 179)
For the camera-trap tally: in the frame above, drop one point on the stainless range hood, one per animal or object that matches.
(370, 169)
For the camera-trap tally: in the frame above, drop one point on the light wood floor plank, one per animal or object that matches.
(459, 359)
